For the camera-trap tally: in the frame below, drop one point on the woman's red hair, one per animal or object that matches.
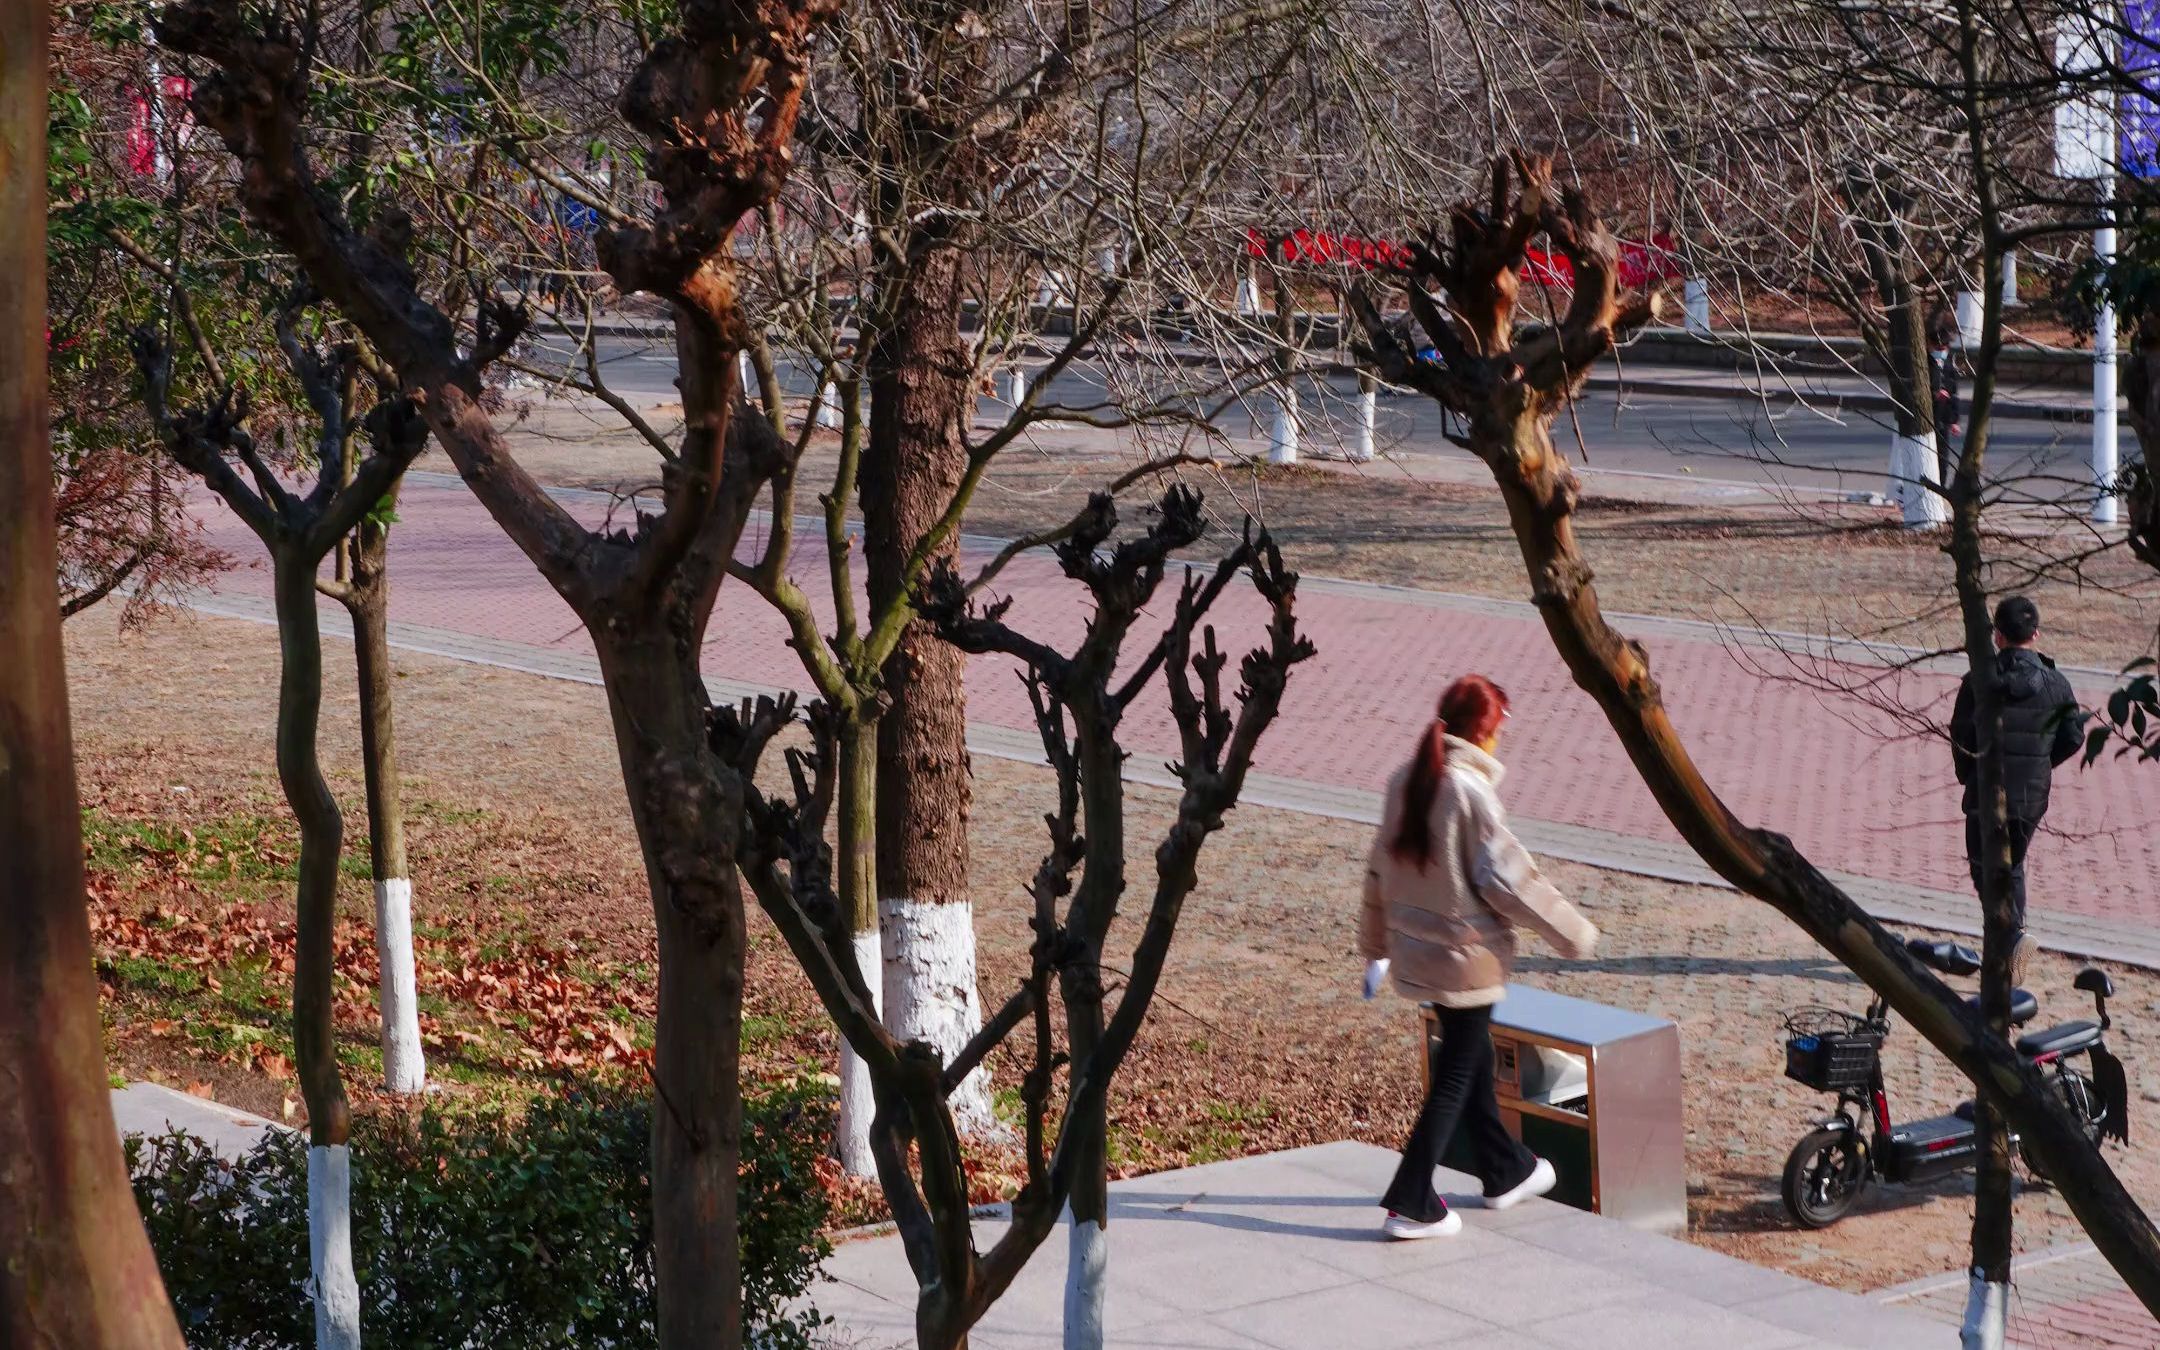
(1470, 708)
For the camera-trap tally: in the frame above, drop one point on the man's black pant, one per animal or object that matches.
(1461, 1095)
(2021, 833)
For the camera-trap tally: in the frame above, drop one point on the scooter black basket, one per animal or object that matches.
(1829, 1049)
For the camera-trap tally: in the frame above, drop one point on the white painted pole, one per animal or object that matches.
(2104, 429)
(1283, 430)
(1695, 305)
(1368, 406)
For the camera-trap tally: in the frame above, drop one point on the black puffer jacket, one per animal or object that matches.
(2041, 729)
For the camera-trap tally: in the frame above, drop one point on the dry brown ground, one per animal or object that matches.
(1260, 1042)
(1429, 521)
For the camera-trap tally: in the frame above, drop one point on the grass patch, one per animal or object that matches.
(759, 1030)
(234, 848)
(147, 976)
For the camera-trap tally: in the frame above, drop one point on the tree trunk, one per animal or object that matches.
(368, 601)
(686, 808)
(855, 862)
(921, 395)
(76, 1272)
(322, 831)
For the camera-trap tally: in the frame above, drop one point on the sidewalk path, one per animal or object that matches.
(1282, 1251)
(1861, 799)
(2065, 1296)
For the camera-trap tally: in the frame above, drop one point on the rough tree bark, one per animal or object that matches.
(920, 376)
(1508, 390)
(939, 133)
(76, 1272)
(716, 103)
(298, 531)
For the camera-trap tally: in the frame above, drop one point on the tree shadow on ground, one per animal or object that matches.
(1819, 968)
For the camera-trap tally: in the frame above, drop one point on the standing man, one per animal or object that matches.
(1943, 381)
(2040, 731)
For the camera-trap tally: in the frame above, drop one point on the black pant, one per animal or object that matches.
(2021, 833)
(1461, 1094)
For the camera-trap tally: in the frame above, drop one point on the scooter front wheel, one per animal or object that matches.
(1824, 1177)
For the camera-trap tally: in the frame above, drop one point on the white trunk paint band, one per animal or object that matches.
(337, 1290)
(404, 1061)
(930, 992)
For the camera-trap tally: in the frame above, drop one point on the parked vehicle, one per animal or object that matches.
(1862, 1142)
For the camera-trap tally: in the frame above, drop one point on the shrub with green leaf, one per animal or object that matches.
(477, 1229)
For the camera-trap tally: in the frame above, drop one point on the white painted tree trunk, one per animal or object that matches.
(2010, 285)
(1368, 411)
(746, 372)
(1016, 386)
(1969, 316)
(1695, 305)
(337, 1290)
(1283, 431)
(826, 410)
(1248, 297)
(1053, 290)
(1087, 1269)
(930, 992)
(858, 1103)
(1987, 1315)
(404, 1061)
(1912, 466)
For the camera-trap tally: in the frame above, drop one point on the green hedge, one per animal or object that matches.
(475, 1230)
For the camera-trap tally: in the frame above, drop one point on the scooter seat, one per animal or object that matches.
(2067, 1039)
(2023, 1006)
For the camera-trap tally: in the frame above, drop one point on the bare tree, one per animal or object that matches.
(299, 530)
(714, 101)
(361, 583)
(75, 1268)
(1079, 699)
(1508, 386)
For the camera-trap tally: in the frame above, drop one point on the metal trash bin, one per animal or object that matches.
(1595, 1091)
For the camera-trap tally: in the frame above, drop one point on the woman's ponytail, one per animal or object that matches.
(1472, 707)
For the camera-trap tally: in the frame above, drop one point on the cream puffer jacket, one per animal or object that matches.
(1448, 929)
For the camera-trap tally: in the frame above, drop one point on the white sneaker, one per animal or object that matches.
(1541, 1179)
(1409, 1230)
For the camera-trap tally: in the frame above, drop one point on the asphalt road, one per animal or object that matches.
(1702, 439)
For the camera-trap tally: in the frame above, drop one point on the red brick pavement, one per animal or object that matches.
(1823, 770)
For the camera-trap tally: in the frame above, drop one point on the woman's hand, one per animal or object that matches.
(1375, 973)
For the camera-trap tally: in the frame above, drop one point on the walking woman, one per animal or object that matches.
(1447, 885)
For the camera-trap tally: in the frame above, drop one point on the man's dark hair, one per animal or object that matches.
(2017, 619)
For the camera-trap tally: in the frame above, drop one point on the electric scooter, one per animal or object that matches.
(1834, 1051)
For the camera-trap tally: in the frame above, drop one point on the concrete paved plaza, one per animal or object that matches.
(1283, 1252)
